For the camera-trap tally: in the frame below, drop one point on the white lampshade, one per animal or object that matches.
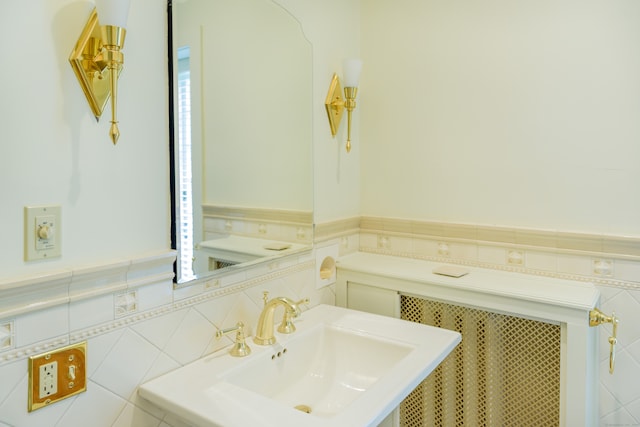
(352, 69)
(113, 12)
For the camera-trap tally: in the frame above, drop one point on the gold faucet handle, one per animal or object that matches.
(240, 347)
(287, 326)
(304, 301)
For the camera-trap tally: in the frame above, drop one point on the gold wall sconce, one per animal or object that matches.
(336, 103)
(97, 59)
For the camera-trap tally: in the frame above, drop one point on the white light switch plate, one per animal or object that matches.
(42, 232)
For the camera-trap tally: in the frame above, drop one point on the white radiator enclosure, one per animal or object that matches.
(372, 282)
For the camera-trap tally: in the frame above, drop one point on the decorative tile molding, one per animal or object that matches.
(146, 270)
(90, 282)
(573, 256)
(128, 301)
(515, 257)
(280, 216)
(20, 296)
(23, 353)
(603, 267)
(277, 224)
(557, 240)
(336, 229)
(443, 249)
(6, 336)
(520, 250)
(126, 304)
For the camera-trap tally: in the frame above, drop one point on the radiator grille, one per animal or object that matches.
(506, 371)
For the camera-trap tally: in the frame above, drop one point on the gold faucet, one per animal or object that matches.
(264, 330)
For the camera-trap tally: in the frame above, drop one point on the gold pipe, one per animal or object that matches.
(114, 132)
(350, 94)
(113, 39)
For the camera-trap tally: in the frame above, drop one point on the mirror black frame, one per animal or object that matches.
(172, 150)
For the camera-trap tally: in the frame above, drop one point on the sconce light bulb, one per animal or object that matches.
(113, 12)
(352, 69)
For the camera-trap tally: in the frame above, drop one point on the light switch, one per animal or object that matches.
(42, 232)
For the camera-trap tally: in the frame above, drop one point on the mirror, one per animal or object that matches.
(241, 107)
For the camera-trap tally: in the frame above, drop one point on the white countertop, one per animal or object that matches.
(552, 292)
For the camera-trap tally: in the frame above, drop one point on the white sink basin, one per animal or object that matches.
(341, 368)
(323, 370)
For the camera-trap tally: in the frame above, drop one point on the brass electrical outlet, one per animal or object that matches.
(57, 375)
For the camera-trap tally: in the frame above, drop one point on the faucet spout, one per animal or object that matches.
(264, 331)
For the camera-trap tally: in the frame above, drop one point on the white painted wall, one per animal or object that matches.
(115, 200)
(333, 27)
(520, 113)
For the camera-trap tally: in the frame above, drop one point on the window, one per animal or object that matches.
(185, 203)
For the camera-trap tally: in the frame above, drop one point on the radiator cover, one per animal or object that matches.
(555, 320)
(506, 371)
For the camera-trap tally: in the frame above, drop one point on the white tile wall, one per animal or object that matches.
(42, 325)
(619, 393)
(90, 312)
(124, 352)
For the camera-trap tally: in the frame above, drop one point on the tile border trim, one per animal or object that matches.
(280, 216)
(118, 323)
(620, 246)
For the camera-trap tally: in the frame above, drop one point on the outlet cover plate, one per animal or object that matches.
(70, 375)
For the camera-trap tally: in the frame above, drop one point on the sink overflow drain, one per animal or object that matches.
(304, 408)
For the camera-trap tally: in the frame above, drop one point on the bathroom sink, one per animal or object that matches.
(340, 368)
(322, 371)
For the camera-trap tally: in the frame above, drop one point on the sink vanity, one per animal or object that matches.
(341, 368)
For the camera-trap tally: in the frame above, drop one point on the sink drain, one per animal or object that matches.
(304, 408)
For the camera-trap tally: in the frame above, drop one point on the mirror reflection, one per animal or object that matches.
(242, 134)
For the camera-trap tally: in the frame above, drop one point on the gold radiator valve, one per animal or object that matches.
(597, 318)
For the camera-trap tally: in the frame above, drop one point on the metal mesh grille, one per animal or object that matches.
(506, 371)
(217, 264)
